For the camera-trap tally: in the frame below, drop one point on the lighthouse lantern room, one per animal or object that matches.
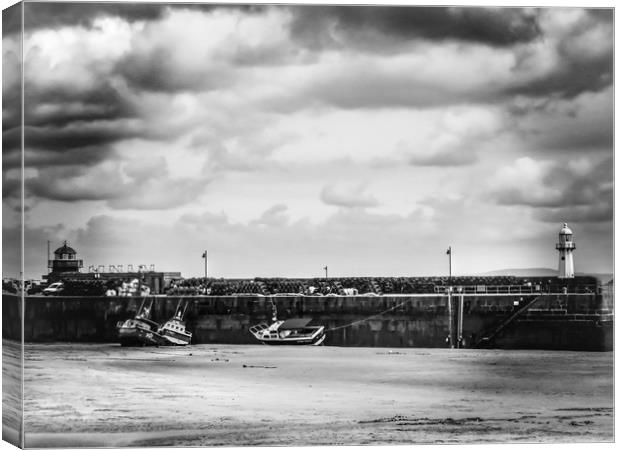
(64, 260)
(565, 247)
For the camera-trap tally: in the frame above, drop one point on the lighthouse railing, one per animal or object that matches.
(521, 289)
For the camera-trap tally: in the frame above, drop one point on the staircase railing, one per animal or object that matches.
(485, 340)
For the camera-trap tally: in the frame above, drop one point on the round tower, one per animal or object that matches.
(566, 267)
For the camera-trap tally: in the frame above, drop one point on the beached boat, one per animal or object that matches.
(174, 331)
(140, 330)
(289, 332)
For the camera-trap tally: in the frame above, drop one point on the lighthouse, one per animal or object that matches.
(566, 246)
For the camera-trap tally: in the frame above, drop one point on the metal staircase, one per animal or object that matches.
(484, 341)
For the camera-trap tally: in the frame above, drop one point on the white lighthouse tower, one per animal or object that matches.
(565, 247)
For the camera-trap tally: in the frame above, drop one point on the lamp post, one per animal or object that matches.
(204, 255)
(325, 269)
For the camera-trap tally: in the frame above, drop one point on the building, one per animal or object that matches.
(65, 260)
(66, 266)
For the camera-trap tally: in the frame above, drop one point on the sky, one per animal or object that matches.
(282, 139)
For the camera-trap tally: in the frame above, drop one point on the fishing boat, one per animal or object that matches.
(289, 332)
(174, 331)
(140, 330)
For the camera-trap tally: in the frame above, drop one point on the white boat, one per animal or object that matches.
(173, 331)
(289, 332)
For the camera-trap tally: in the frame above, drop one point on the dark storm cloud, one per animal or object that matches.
(585, 64)
(145, 184)
(65, 126)
(87, 156)
(602, 14)
(11, 146)
(11, 187)
(495, 27)
(582, 188)
(155, 71)
(58, 184)
(580, 195)
(597, 136)
(76, 135)
(573, 75)
(11, 20)
(55, 14)
(566, 125)
(11, 92)
(59, 105)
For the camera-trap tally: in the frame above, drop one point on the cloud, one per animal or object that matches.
(328, 25)
(131, 112)
(122, 185)
(11, 184)
(461, 157)
(584, 123)
(578, 190)
(273, 217)
(173, 55)
(576, 56)
(76, 183)
(11, 20)
(86, 14)
(57, 14)
(348, 196)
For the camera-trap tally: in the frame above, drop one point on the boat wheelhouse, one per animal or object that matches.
(140, 330)
(174, 331)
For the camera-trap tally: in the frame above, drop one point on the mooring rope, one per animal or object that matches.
(368, 318)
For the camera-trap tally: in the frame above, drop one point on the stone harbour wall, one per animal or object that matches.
(555, 321)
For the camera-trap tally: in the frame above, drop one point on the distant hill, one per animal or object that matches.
(530, 272)
(543, 272)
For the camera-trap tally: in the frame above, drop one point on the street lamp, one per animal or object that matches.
(204, 255)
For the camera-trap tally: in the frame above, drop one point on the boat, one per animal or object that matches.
(174, 331)
(140, 330)
(289, 332)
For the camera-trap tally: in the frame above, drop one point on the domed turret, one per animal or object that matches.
(565, 229)
(64, 260)
(64, 250)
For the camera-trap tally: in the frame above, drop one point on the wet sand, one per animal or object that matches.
(11, 391)
(210, 395)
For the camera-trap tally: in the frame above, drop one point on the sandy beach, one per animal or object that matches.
(212, 395)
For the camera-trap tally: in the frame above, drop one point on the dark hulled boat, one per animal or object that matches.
(140, 330)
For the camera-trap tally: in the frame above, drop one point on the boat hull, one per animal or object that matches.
(138, 337)
(273, 335)
(313, 341)
(173, 338)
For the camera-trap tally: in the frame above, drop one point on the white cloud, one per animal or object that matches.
(348, 196)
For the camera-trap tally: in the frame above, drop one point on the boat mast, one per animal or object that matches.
(274, 317)
(181, 309)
